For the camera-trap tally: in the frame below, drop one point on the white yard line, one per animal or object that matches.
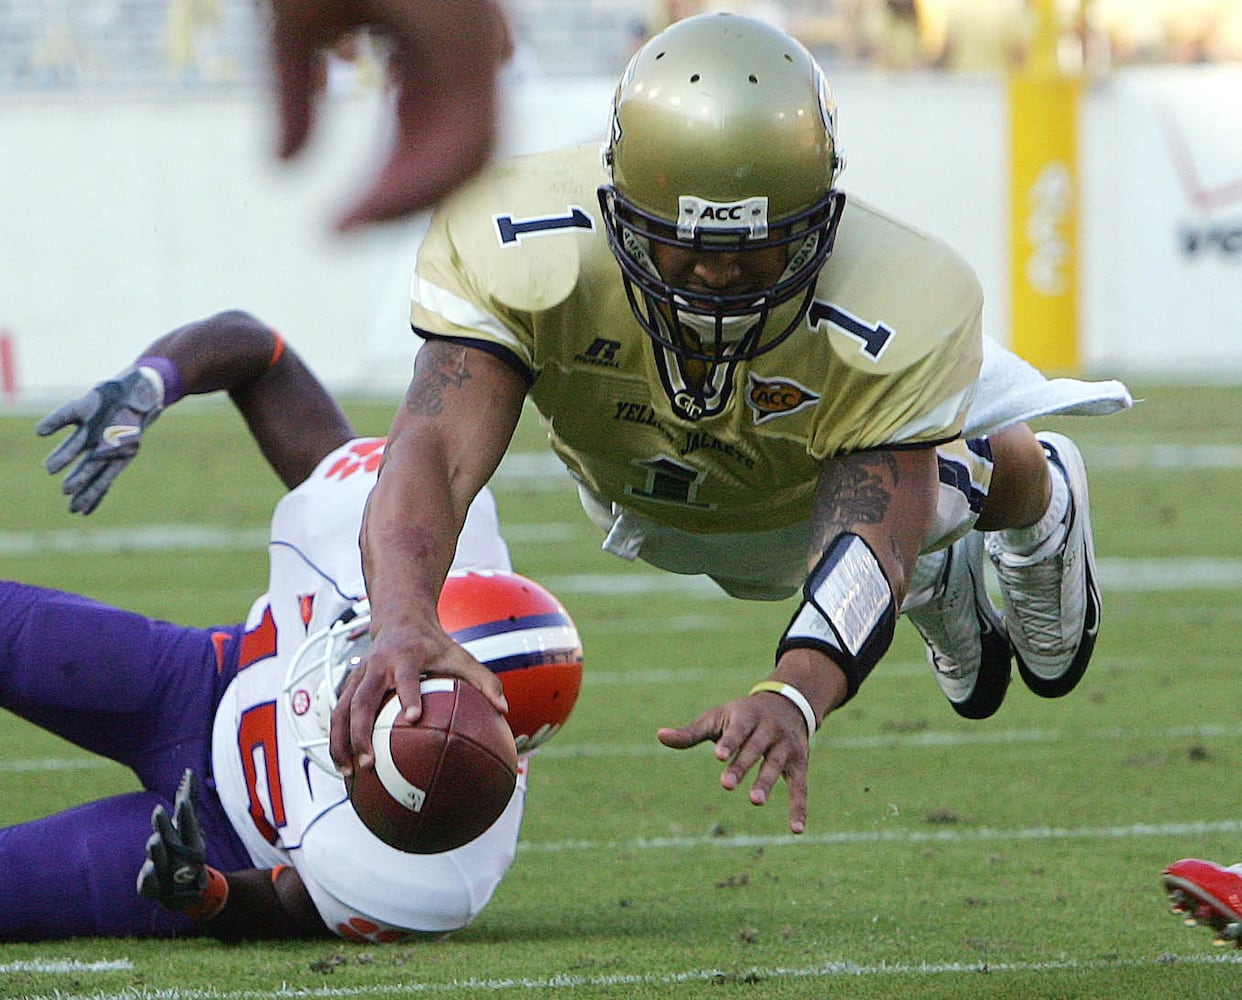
(56, 966)
(749, 974)
(1118, 575)
(940, 835)
(839, 744)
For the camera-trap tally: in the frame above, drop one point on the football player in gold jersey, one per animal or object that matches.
(771, 389)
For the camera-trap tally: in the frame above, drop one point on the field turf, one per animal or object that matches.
(1014, 857)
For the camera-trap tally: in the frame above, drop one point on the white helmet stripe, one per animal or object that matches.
(548, 640)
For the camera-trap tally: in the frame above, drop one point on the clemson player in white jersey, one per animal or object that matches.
(287, 813)
(751, 376)
(249, 840)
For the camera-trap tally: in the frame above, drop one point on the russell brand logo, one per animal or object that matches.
(601, 352)
(777, 397)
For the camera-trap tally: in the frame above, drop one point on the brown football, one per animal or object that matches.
(441, 782)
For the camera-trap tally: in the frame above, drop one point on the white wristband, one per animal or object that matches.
(794, 695)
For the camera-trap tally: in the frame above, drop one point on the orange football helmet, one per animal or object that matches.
(522, 632)
(505, 621)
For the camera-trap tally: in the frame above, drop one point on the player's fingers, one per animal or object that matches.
(86, 500)
(409, 691)
(705, 727)
(294, 68)
(187, 826)
(441, 138)
(339, 747)
(475, 674)
(796, 782)
(66, 451)
(161, 823)
(784, 759)
(83, 474)
(80, 485)
(416, 177)
(148, 883)
(770, 771)
(157, 855)
(62, 416)
(357, 714)
(750, 750)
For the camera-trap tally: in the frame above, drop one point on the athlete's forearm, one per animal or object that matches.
(409, 532)
(445, 442)
(266, 905)
(219, 352)
(293, 418)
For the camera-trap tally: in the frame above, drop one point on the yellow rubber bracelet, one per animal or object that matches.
(794, 695)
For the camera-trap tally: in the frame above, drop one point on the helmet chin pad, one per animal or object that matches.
(724, 330)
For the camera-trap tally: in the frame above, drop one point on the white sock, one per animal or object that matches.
(1024, 541)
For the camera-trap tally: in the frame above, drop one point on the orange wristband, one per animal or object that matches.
(277, 350)
(212, 899)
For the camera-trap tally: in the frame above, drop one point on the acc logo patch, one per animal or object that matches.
(776, 397)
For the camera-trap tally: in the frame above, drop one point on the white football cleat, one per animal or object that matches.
(1052, 599)
(966, 643)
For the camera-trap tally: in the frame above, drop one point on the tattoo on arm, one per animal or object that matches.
(447, 370)
(852, 489)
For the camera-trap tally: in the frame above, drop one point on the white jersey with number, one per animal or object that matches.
(289, 811)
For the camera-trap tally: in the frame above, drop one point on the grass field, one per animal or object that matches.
(1015, 857)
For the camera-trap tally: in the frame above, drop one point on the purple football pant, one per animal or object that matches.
(140, 692)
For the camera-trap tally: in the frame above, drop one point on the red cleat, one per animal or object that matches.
(1207, 894)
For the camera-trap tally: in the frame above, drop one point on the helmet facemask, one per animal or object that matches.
(316, 674)
(699, 325)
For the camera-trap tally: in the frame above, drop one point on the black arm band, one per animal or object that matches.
(847, 610)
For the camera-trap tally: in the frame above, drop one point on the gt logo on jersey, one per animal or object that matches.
(511, 230)
(776, 397)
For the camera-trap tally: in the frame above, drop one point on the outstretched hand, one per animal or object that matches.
(397, 661)
(760, 727)
(442, 69)
(109, 422)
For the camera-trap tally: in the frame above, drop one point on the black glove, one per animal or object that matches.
(175, 873)
(110, 420)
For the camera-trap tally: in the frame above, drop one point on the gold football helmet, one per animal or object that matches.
(723, 140)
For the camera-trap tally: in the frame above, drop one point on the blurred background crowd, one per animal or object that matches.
(183, 44)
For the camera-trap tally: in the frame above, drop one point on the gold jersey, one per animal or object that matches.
(887, 356)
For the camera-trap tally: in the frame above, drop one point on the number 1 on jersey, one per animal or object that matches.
(873, 337)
